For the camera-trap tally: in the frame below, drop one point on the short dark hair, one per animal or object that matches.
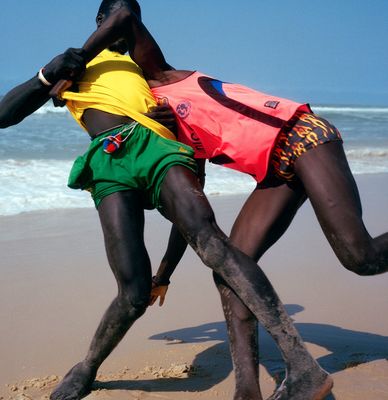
(107, 6)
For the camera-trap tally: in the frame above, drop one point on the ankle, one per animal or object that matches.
(89, 366)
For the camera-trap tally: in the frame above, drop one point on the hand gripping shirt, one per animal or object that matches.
(226, 123)
(114, 83)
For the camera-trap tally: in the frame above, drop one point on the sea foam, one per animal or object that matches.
(36, 157)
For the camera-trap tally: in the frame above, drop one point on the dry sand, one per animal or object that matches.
(56, 284)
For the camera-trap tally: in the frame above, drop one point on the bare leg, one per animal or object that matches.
(122, 219)
(186, 206)
(264, 218)
(330, 186)
(334, 196)
(243, 343)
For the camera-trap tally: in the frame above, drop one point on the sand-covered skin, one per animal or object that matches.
(56, 284)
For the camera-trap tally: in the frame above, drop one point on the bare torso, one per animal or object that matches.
(99, 121)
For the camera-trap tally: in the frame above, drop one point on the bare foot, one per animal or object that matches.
(76, 384)
(311, 385)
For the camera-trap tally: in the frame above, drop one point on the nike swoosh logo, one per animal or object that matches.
(213, 88)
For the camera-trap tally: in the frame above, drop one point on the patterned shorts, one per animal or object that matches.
(303, 132)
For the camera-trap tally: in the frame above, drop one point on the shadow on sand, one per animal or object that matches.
(347, 348)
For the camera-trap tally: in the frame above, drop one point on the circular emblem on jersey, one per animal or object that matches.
(183, 109)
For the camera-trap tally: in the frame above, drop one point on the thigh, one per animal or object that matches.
(333, 193)
(265, 216)
(122, 220)
(183, 201)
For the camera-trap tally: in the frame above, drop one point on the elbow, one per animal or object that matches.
(124, 18)
(126, 14)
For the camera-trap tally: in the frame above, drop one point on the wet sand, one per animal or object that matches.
(56, 284)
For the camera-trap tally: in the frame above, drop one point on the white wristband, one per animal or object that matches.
(43, 79)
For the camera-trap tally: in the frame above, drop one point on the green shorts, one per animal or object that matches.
(140, 163)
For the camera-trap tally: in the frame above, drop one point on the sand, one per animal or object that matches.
(55, 286)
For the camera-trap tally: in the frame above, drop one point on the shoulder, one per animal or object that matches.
(168, 77)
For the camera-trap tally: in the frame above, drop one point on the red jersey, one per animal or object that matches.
(226, 123)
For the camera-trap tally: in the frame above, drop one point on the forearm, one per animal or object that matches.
(26, 98)
(124, 24)
(174, 253)
(116, 26)
(22, 101)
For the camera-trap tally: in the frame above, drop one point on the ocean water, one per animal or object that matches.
(36, 157)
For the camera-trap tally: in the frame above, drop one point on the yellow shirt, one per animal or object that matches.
(114, 83)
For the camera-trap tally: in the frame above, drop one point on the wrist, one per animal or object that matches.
(49, 74)
(160, 281)
(86, 55)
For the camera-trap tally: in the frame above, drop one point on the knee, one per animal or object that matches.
(208, 241)
(360, 260)
(134, 305)
(204, 235)
(213, 248)
(241, 314)
(197, 223)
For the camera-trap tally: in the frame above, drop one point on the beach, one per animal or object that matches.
(56, 284)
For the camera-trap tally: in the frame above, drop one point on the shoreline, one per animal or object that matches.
(247, 186)
(56, 284)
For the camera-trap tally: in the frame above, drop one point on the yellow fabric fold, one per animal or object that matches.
(114, 83)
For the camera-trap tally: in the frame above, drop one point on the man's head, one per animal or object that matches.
(107, 7)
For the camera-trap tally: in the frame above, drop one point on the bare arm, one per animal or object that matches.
(22, 101)
(124, 24)
(26, 98)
